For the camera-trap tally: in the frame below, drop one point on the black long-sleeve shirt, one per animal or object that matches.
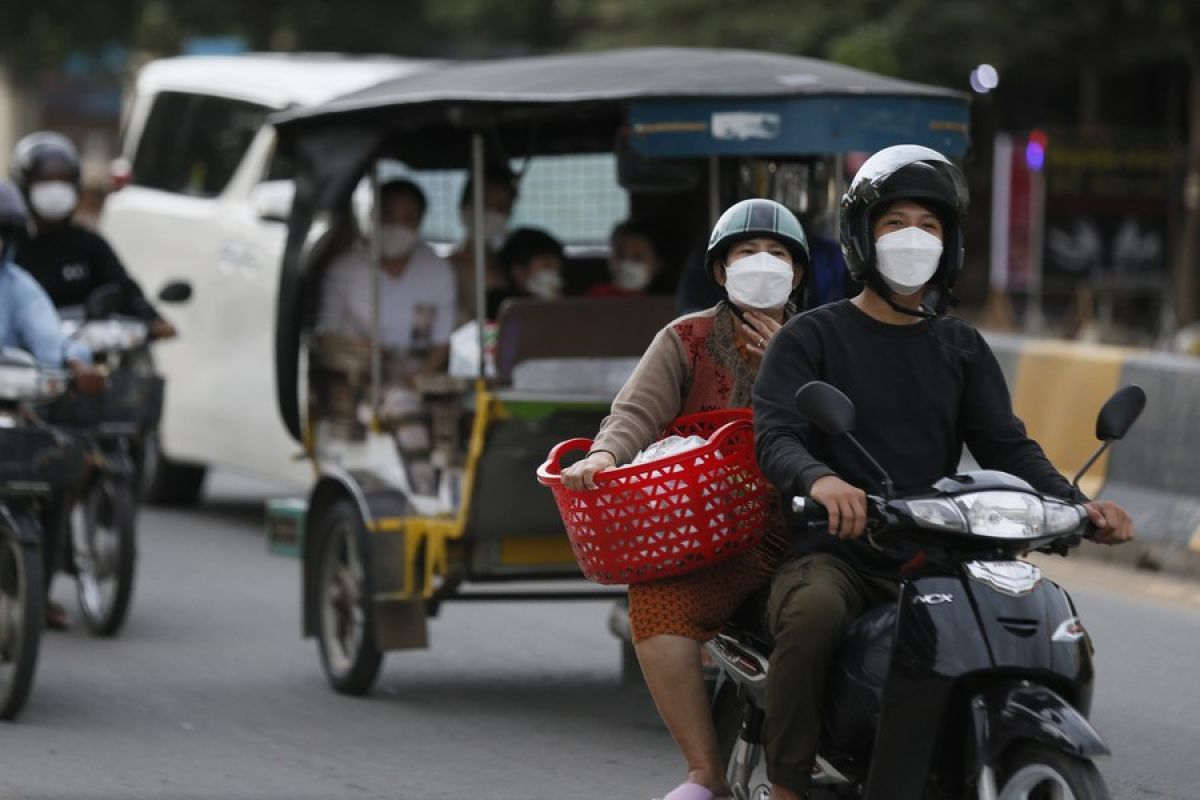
(70, 262)
(920, 391)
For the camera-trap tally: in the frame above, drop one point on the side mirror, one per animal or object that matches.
(272, 200)
(1114, 421)
(1120, 412)
(825, 407)
(176, 292)
(102, 302)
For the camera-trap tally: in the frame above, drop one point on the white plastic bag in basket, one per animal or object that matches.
(670, 446)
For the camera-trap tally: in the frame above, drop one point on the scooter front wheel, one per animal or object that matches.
(21, 621)
(104, 545)
(1036, 771)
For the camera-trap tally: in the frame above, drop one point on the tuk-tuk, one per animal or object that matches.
(691, 131)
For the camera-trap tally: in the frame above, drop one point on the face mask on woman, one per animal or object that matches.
(760, 282)
(53, 200)
(545, 283)
(908, 259)
(632, 276)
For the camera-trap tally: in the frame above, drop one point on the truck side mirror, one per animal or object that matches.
(272, 200)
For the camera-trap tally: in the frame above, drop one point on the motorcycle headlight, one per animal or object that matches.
(996, 514)
(940, 513)
(1062, 518)
(1004, 515)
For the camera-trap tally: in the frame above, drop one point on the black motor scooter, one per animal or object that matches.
(32, 459)
(977, 682)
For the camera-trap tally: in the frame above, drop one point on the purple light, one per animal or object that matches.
(1035, 156)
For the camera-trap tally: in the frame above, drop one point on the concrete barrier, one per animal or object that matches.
(1058, 388)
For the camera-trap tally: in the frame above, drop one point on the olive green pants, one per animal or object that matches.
(813, 599)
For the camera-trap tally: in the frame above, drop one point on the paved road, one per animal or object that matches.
(210, 692)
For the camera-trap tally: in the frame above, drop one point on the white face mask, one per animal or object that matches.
(761, 282)
(53, 200)
(495, 227)
(545, 283)
(396, 241)
(907, 259)
(632, 276)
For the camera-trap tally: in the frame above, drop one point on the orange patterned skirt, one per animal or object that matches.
(697, 605)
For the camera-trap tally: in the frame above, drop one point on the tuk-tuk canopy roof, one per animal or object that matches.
(620, 76)
(664, 102)
(671, 101)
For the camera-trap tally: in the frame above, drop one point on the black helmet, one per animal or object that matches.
(13, 218)
(903, 172)
(38, 151)
(751, 219)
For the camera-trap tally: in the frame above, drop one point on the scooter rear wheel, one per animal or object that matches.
(1038, 772)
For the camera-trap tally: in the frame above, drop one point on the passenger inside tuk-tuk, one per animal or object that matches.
(499, 197)
(531, 261)
(635, 263)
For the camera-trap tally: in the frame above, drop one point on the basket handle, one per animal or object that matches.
(729, 429)
(550, 470)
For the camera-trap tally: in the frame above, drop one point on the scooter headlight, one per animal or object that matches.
(1004, 515)
(995, 514)
(1062, 518)
(939, 513)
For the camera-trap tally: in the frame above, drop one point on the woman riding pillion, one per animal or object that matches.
(701, 362)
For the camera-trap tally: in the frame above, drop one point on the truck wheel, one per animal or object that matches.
(165, 482)
(21, 619)
(345, 608)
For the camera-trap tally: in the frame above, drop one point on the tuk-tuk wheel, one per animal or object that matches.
(346, 618)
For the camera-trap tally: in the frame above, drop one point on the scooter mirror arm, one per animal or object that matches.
(885, 480)
(1095, 456)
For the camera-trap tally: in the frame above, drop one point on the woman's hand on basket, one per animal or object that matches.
(845, 505)
(582, 474)
(755, 333)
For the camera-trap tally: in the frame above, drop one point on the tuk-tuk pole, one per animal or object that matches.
(478, 237)
(376, 390)
(714, 190)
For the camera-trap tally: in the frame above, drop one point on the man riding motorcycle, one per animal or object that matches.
(28, 321)
(68, 260)
(924, 385)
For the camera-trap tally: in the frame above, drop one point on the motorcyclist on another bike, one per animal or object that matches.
(68, 260)
(924, 384)
(28, 321)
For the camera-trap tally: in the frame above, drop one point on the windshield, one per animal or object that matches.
(575, 198)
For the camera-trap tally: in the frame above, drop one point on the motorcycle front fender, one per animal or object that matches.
(1006, 714)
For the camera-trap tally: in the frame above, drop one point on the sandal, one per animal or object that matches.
(56, 617)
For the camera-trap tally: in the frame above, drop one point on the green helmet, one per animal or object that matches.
(751, 219)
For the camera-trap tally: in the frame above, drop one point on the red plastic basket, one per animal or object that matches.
(668, 516)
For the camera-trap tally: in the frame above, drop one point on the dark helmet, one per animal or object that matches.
(751, 219)
(13, 218)
(903, 172)
(37, 152)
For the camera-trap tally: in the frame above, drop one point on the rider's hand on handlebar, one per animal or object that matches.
(846, 506)
(87, 378)
(1113, 524)
(581, 475)
(161, 329)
